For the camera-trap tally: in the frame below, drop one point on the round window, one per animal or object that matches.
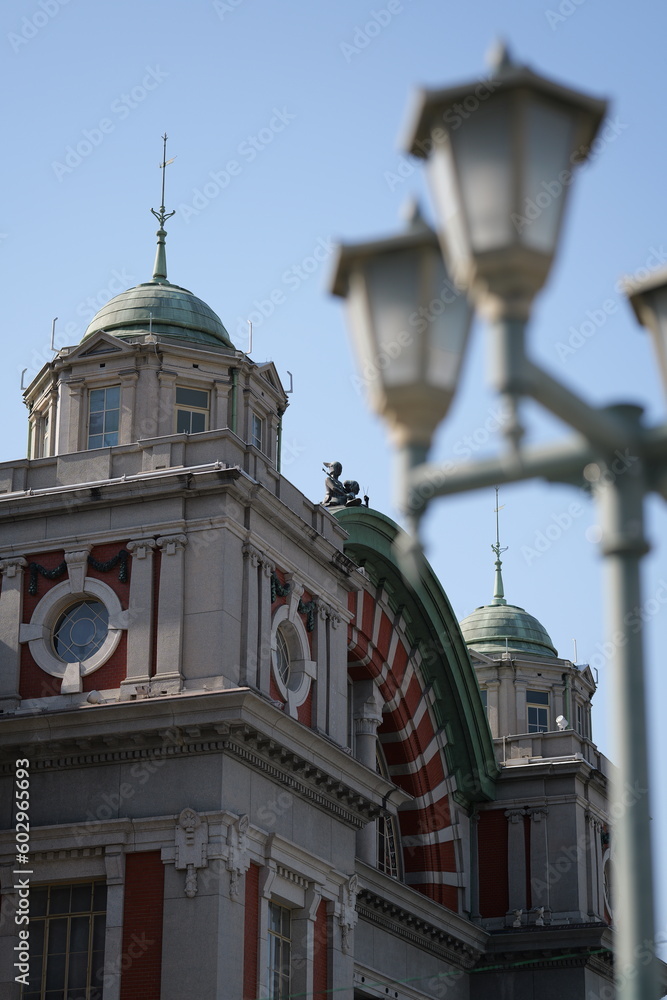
(282, 657)
(80, 631)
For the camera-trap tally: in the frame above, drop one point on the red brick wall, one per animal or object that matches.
(304, 713)
(493, 873)
(321, 954)
(251, 933)
(141, 961)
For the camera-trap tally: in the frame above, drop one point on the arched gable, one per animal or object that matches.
(434, 734)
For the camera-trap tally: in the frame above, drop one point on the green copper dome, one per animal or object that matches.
(493, 628)
(169, 310)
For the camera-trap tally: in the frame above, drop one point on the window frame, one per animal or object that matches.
(192, 409)
(106, 409)
(388, 837)
(257, 441)
(93, 991)
(541, 703)
(285, 942)
(302, 669)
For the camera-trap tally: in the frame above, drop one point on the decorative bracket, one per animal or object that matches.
(348, 915)
(191, 847)
(238, 857)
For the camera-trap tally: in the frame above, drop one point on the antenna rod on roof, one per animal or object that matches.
(575, 650)
(249, 351)
(53, 334)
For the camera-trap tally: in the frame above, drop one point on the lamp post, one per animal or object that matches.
(491, 150)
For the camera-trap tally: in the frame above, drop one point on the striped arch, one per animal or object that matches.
(379, 648)
(434, 733)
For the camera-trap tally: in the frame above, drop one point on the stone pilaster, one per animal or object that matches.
(128, 389)
(321, 656)
(594, 867)
(539, 858)
(264, 646)
(168, 674)
(166, 402)
(77, 425)
(367, 718)
(114, 862)
(11, 613)
(140, 631)
(304, 943)
(219, 405)
(249, 671)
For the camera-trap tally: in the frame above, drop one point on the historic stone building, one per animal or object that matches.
(259, 763)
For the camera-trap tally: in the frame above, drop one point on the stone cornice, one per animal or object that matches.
(552, 946)
(406, 912)
(421, 933)
(236, 722)
(184, 482)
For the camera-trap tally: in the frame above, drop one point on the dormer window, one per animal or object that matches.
(103, 417)
(192, 406)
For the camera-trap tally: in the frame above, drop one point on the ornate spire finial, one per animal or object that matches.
(499, 592)
(160, 266)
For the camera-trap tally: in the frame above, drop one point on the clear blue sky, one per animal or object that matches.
(310, 116)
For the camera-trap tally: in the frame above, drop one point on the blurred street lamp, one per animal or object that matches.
(501, 154)
(410, 326)
(649, 301)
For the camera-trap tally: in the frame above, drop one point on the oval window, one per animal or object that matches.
(80, 631)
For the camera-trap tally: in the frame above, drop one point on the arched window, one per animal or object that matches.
(388, 837)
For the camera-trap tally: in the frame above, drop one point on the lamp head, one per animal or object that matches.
(501, 153)
(409, 324)
(648, 298)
